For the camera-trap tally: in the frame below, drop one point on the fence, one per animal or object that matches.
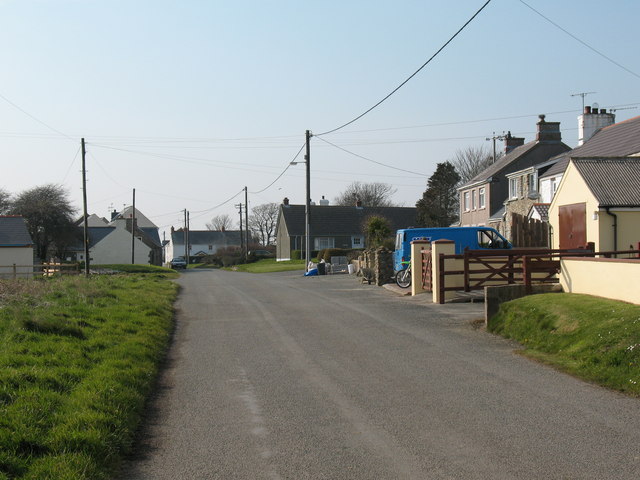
(528, 232)
(45, 269)
(477, 269)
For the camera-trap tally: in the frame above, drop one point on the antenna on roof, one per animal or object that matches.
(614, 110)
(582, 94)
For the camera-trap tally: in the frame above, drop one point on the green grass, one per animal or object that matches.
(135, 268)
(590, 337)
(78, 358)
(269, 265)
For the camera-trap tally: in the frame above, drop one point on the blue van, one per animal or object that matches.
(474, 238)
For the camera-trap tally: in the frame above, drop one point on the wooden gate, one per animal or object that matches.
(427, 271)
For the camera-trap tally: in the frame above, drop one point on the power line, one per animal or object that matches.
(283, 172)
(579, 40)
(372, 161)
(411, 76)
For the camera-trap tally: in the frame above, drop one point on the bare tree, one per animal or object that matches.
(471, 161)
(374, 194)
(220, 223)
(262, 223)
(5, 202)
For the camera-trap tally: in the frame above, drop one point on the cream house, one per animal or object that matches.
(598, 200)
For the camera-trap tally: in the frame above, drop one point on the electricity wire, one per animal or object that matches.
(370, 160)
(580, 41)
(411, 76)
(283, 172)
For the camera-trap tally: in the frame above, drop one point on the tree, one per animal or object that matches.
(374, 194)
(5, 202)
(262, 223)
(438, 206)
(377, 229)
(49, 217)
(471, 161)
(220, 223)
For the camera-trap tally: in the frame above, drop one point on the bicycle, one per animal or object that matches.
(403, 277)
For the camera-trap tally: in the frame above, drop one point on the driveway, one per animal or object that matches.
(283, 377)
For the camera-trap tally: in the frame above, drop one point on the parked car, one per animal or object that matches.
(261, 253)
(473, 238)
(178, 262)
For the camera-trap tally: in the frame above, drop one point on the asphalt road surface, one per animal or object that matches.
(283, 377)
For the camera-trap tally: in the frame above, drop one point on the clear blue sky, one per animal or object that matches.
(189, 101)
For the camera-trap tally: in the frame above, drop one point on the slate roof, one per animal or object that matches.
(13, 232)
(207, 237)
(617, 140)
(614, 182)
(500, 164)
(542, 209)
(334, 220)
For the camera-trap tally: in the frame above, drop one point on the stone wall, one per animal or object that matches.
(380, 261)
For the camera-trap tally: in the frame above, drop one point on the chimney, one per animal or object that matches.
(591, 121)
(285, 202)
(324, 202)
(222, 229)
(358, 203)
(548, 132)
(511, 142)
(172, 229)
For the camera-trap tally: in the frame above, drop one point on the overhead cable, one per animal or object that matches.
(283, 172)
(411, 76)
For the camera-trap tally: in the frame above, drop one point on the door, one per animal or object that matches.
(573, 226)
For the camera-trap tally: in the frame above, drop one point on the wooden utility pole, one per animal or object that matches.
(246, 222)
(188, 237)
(307, 209)
(241, 236)
(84, 207)
(184, 235)
(133, 229)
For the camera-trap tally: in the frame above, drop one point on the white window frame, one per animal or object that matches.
(482, 198)
(466, 200)
(357, 241)
(320, 243)
(513, 188)
(473, 199)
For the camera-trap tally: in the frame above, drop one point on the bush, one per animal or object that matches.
(327, 253)
(296, 254)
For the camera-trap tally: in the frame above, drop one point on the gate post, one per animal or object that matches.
(440, 247)
(416, 266)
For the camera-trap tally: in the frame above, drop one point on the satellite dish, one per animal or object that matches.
(595, 105)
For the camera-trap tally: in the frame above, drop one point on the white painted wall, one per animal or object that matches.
(116, 248)
(22, 257)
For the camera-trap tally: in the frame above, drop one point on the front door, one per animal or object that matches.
(573, 226)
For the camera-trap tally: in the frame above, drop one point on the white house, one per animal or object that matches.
(16, 247)
(201, 242)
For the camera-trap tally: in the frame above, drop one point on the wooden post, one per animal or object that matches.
(466, 270)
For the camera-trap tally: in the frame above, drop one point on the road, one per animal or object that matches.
(284, 377)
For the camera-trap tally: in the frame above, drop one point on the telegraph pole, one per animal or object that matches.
(84, 207)
(307, 207)
(133, 229)
(241, 236)
(188, 237)
(246, 222)
(184, 236)
(494, 138)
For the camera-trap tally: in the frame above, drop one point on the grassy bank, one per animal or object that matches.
(78, 357)
(593, 338)
(269, 265)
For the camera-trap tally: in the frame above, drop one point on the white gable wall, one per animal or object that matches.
(22, 257)
(116, 248)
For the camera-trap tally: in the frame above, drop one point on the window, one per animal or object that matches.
(466, 201)
(481, 197)
(323, 242)
(513, 188)
(210, 247)
(532, 183)
(490, 239)
(357, 241)
(473, 199)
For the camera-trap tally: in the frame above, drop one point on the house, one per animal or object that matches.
(332, 226)
(482, 198)
(111, 241)
(16, 247)
(201, 242)
(598, 200)
(611, 140)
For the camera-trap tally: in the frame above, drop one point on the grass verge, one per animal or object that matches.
(269, 265)
(590, 337)
(78, 358)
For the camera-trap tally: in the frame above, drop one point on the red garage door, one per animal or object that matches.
(573, 225)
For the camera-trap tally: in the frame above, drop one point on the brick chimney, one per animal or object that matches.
(511, 142)
(358, 203)
(591, 121)
(548, 132)
(285, 202)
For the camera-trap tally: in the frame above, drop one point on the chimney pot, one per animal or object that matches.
(285, 201)
(587, 109)
(603, 111)
(358, 203)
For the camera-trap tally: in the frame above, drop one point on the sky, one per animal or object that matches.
(190, 101)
